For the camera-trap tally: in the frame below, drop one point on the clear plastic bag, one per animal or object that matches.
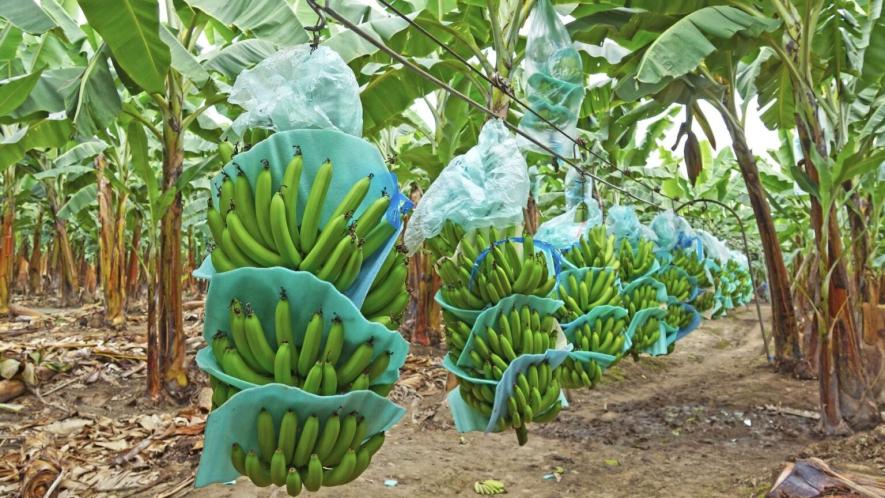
(563, 230)
(553, 83)
(672, 231)
(487, 186)
(714, 248)
(299, 88)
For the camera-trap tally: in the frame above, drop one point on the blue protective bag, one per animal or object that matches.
(260, 287)
(235, 421)
(353, 159)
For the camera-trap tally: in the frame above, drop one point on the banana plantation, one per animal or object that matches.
(442, 248)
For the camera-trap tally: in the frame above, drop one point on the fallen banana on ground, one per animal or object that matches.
(489, 487)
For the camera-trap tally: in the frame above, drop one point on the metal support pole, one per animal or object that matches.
(749, 263)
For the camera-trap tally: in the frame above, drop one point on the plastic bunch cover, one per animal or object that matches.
(623, 223)
(660, 346)
(487, 186)
(489, 317)
(467, 418)
(563, 231)
(260, 287)
(672, 231)
(352, 159)
(598, 312)
(554, 82)
(714, 248)
(299, 88)
(230, 423)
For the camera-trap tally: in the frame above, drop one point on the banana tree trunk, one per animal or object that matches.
(35, 276)
(69, 283)
(423, 282)
(112, 252)
(7, 240)
(169, 330)
(132, 272)
(846, 394)
(787, 353)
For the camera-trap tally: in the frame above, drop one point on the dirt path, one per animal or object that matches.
(689, 424)
(692, 424)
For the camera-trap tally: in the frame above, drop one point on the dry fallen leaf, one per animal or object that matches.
(67, 426)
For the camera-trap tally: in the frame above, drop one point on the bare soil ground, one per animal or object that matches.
(705, 421)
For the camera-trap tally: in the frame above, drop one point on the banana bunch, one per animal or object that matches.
(646, 334)
(457, 332)
(221, 392)
(314, 365)
(253, 226)
(574, 374)
(504, 271)
(704, 301)
(489, 487)
(677, 316)
(639, 298)
(637, 261)
(688, 261)
(535, 398)
(595, 289)
(388, 295)
(522, 331)
(596, 250)
(678, 286)
(307, 456)
(445, 242)
(602, 336)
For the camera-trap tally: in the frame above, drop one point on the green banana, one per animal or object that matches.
(332, 267)
(328, 436)
(278, 469)
(216, 224)
(282, 366)
(233, 252)
(358, 361)
(263, 194)
(342, 443)
(293, 483)
(310, 347)
(291, 181)
(342, 472)
(309, 434)
(244, 207)
(249, 245)
(238, 458)
(371, 216)
(280, 233)
(220, 261)
(313, 479)
(257, 472)
(288, 435)
(332, 233)
(267, 437)
(314, 205)
(234, 365)
(351, 269)
(386, 292)
(334, 341)
(258, 344)
(353, 198)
